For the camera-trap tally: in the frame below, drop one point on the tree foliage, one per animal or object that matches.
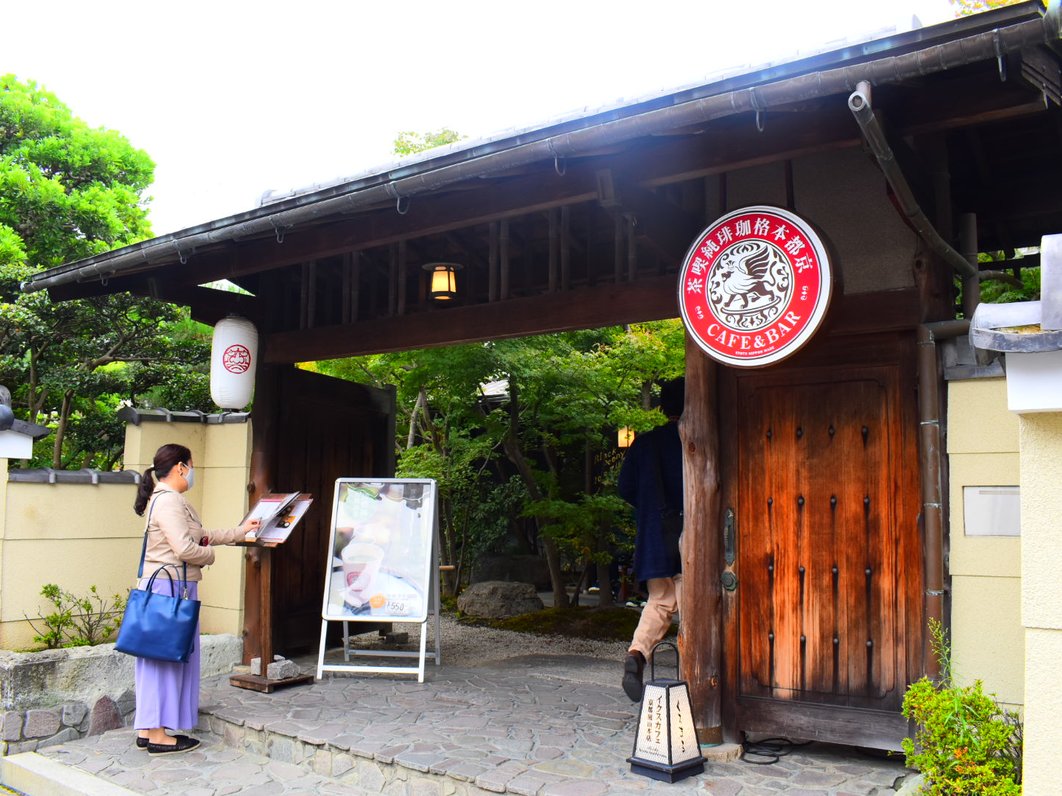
(520, 435)
(409, 142)
(965, 8)
(68, 191)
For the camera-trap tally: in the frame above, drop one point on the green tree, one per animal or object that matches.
(539, 448)
(410, 142)
(965, 8)
(68, 191)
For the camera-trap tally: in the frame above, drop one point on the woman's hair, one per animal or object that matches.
(166, 458)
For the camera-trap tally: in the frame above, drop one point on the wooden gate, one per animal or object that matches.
(824, 628)
(329, 428)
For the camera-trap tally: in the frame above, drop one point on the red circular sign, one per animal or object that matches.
(755, 286)
(236, 358)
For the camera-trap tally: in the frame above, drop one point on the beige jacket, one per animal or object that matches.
(173, 534)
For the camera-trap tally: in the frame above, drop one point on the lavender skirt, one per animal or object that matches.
(167, 694)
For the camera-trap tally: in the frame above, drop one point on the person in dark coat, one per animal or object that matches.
(650, 479)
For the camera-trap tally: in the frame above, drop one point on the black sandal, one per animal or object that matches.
(141, 743)
(182, 743)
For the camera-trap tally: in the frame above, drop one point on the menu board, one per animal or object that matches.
(379, 551)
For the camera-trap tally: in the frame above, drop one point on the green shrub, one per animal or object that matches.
(964, 742)
(77, 621)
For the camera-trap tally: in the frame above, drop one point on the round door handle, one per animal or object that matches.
(730, 581)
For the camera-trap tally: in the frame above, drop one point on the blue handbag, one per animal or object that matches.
(161, 627)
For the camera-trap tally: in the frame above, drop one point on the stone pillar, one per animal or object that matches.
(1041, 553)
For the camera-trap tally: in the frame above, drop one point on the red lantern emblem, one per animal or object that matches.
(236, 359)
(755, 286)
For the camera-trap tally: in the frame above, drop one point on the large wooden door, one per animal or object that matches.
(824, 628)
(328, 428)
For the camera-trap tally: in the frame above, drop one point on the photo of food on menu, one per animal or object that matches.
(380, 550)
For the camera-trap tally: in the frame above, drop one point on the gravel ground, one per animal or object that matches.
(465, 645)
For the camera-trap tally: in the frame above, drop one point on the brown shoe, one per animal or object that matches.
(182, 743)
(632, 675)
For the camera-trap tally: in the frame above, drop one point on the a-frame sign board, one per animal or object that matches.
(383, 566)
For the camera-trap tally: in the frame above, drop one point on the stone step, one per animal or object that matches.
(111, 764)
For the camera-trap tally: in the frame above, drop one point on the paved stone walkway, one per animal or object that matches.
(535, 726)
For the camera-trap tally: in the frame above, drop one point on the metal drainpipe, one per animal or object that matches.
(859, 104)
(931, 448)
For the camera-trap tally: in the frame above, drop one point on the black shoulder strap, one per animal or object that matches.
(143, 547)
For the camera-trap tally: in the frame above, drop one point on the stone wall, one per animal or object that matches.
(55, 696)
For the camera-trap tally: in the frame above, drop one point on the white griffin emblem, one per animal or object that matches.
(749, 284)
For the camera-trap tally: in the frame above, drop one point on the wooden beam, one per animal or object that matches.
(206, 304)
(582, 308)
(662, 224)
(428, 215)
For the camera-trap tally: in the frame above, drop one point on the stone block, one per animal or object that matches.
(63, 736)
(279, 670)
(11, 725)
(256, 667)
(127, 702)
(74, 713)
(104, 716)
(42, 722)
(341, 764)
(21, 746)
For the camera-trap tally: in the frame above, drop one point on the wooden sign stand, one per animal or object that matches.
(260, 556)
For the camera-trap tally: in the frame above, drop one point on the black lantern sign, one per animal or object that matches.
(666, 747)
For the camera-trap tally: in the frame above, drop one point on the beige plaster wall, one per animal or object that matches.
(1041, 507)
(986, 624)
(72, 535)
(80, 535)
(221, 454)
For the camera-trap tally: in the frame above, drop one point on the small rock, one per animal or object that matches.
(256, 667)
(282, 669)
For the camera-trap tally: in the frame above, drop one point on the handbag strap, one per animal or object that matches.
(143, 553)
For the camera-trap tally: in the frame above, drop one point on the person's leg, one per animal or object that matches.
(656, 615)
(167, 696)
(652, 627)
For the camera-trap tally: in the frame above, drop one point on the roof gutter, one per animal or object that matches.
(357, 196)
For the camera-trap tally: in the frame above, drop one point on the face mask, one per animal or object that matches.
(190, 477)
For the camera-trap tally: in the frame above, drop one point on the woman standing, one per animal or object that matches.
(167, 694)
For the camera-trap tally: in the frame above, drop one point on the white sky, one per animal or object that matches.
(231, 98)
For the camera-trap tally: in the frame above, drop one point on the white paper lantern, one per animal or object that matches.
(233, 359)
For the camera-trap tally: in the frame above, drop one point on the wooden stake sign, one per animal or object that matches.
(755, 286)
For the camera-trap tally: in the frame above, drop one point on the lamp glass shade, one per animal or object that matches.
(443, 281)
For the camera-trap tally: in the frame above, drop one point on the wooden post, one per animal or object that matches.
(257, 630)
(700, 605)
